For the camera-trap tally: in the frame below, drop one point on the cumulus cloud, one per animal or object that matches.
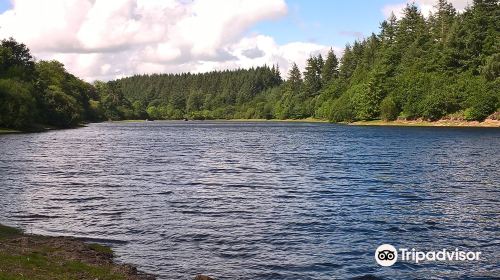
(105, 39)
(253, 53)
(273, 53)
(426, 6)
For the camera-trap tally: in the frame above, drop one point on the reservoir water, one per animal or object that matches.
(262, 200)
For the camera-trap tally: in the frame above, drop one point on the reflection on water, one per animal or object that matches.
(261, 200)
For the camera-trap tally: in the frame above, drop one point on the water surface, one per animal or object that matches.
(261, 200)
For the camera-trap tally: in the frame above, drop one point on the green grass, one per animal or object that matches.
(8, 130)
(35, 257)
(101, 248)
(42, 267)
(6, 231)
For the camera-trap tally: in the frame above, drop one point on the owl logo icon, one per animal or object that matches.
(386, 255)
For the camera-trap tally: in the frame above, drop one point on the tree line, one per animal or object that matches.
(445, 65)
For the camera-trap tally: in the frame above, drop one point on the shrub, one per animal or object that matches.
(433, 107)
(482, 107)
(389, 110)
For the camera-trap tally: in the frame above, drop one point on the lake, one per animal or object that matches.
(262, 200)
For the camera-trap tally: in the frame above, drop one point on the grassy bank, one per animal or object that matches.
(26, 256)
(439, 123)
(8, 130)
(34, 128)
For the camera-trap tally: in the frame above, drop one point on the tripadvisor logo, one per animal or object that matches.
(387, 255)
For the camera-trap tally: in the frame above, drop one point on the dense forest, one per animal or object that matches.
(445, 65)
(34, 93)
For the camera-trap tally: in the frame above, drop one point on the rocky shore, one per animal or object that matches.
(27, 256)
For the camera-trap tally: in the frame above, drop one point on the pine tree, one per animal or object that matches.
(312, 76)
(388, 29)
(294, 81)
(330, 68)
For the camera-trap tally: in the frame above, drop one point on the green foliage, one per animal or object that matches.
(217, 94)
(429, 67)
(367, 98)
(17, 105)
(481, 106)
(16, 61)
(312, 75)
(113, 103)
(389, 110)
(330, 68)
(433, 107)
(491, 69)
(342, 109)
(62, 110)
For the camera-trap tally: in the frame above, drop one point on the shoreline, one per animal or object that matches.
(488, 123)
(39, 128)
(420, 123)
(30, 256)
(307, 120)
(8, 131)
(402, 123)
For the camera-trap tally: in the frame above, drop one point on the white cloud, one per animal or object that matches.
(272, 53)
(105, 39)
(426, 6)
(397, 9)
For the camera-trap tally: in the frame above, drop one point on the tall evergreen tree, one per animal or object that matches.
(294, 81)
(330, 68)
(312, 76)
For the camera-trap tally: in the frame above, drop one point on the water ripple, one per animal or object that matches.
(261, 200)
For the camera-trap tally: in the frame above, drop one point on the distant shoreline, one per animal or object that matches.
(307, 120)
(8, 131)
(38, 128)
(421, 123)
(403, 123)
(311, 120)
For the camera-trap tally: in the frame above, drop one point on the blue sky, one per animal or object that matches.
(4, 4)
(326, 22)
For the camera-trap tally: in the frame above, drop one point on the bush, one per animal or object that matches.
(433, 107)
(482, 107)
(456, 116)
(389, 110)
